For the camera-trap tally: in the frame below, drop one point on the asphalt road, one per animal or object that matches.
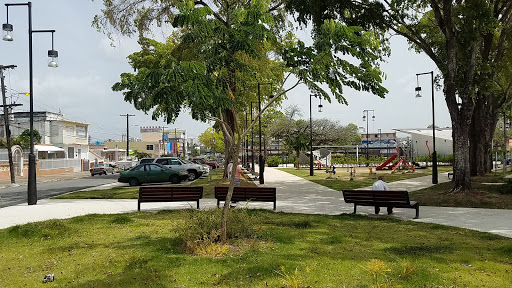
(10, 196)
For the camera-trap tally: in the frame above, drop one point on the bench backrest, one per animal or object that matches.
(376, 196)
(170, 193)
(247, 193)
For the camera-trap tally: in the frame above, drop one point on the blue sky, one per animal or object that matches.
(80, 88)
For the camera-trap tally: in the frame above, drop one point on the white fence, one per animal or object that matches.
(49, 164)
(4, 157)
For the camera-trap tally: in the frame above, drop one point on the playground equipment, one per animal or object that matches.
(399, 164)
(403, 163)
(331, 172)
(389, 160)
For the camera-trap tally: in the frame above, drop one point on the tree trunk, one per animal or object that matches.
(482, 130)
(229, 118)
(461, 163)
(478, 137)
(223, 220)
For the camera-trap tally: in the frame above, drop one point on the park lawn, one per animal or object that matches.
(363, 177)
(147, 249)
(482, 195)
(127, 192)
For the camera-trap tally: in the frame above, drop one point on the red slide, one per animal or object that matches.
(386, 162)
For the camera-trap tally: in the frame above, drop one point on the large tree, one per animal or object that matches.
(212, 139)
(467, 40)
(221, 50)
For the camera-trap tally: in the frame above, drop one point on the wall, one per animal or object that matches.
(444, 147)
(5, 175)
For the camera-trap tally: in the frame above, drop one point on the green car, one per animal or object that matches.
(151, 173)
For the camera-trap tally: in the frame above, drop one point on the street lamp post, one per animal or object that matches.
(365, 118)
(53, 54)
(380, 143)
(252, 142)
(246, 144)
(261, 161)
(320, 106)
(434, 153)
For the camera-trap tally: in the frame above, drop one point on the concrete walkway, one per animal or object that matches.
(294, 194)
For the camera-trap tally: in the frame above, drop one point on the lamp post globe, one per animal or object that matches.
(8, 31)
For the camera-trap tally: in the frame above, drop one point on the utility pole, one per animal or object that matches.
(163, 139)
(127, 135)
(6, 122)
(504, 144)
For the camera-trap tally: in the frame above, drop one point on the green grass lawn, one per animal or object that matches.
(127, 192)
(483, 194)
(146, 249)
(363, 177)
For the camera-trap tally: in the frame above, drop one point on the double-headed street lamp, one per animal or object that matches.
(52, 54)
(320, 107)
(365, 118)
(434, 154)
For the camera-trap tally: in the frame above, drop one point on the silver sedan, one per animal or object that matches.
(101, 169)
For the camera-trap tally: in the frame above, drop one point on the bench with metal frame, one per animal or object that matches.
(381, 198)
(169, 194)
(247, 193)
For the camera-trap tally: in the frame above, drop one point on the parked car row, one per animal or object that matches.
(167, 169)
(201, 160)
(194, 170)
(151, 173)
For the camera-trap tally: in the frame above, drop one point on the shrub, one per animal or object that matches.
(507, 188)
(273, 161)
(201, 232)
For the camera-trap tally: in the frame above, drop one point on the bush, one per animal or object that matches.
(273, 161)
(445, 159)
(507, 188)
(201, 233)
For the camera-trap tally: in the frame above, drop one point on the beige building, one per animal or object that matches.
(170, 142)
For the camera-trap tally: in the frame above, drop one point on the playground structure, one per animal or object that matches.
(400, 163)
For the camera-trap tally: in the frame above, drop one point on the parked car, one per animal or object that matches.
(101, 169)
(151, 173)
(202, 160)
(194, 170)
(204, 168)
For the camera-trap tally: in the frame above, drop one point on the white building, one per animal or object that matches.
(422, 141)
(70, 136)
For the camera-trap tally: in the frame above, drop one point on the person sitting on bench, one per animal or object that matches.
(381, 185)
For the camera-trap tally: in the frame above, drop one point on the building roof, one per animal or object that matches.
(441, 133)
(47, 148)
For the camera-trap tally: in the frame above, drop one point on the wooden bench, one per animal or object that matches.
(262, 194)
(389, 198)
(169, 194)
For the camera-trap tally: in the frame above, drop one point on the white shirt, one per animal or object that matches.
(380, 185)
(230, 166)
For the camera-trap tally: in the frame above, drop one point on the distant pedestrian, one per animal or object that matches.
(230, 167)
(239, 173)
(381, 185)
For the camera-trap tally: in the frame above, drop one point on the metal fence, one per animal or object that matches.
(4, 157)
(49, 164)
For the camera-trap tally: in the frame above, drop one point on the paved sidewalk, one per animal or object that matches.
(295, 195)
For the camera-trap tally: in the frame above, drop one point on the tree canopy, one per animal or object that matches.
(212, 139)
(222, 54)
(468, 42)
